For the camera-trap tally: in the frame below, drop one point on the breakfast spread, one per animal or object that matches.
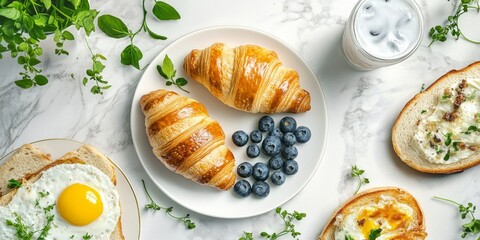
(382, 32)
(249, 78)
(278, 145)
(186, 140)
(70, 196)
(378, 213)
(437, 131)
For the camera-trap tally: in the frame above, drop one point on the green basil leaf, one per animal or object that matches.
(181, 82)
(21, 60)
(34, 62)
(10, 13)
(75, 3)
(155, 35)
(164, 11)
(68, 35)
(84, 81)
(40, 80)
(27, 22)
(3, 2)
(40, 20)
(98, 67)
(17, 5)
(47, 3)
(167, 67)
(24, 83)
(37, 33)
(112, 26)
(131, 55)
(88, 25)
(160, 71)
(100, 56)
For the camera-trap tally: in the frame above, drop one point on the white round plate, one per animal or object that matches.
(130, 211)
(204, 199)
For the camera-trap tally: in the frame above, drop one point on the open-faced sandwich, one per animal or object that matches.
(438, 131)
(73, 197)
(379, 213)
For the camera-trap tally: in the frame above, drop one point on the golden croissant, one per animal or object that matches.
(249, 78)
(186, 140)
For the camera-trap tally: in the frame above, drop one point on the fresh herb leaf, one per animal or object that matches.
(10, 13)
(155, 207)
(95, 73)
(246, 236)
(471, 129)
(22, 231)
(472, 227)
(113, 26)
(356, 172)
(423, 111)
(131, 55)
(374, 233)
(164, 11)
(13, 183)
(448, 139)
(349, 237)
(86, 236)
(447, 156)
(440, 33)
(167, 71)
(422, 89)
(455, 146)
(289, 227)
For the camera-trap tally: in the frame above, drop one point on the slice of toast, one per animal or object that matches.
(406, 124)
(84, 155)
(415, 231)
(26, 160)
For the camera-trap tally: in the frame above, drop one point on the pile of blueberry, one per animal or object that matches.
(278, 145)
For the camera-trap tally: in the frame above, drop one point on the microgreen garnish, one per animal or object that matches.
(356, 172)
(167, 71)
(423, 111)
(448, 139)
(155, 207)
(246, 236)
(22, 231)
(455, 146)
(471, 129)
(349, 237)
(289, 226)
(472, 227)
(25, 23)
(86, 236)
(374, 233)
(94, 74)
(13, 183)
(115, 28)
(440, 33)
(447, 156)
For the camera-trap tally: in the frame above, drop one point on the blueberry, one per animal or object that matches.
(289, 153)
(240, 138)
(290, 167)
(253, 151)
(288, 124)
(289, 139)
(278, 178)
(242, 188)
(245, 169)
(271, 145)
(276, 132)
(256, 136)
(303, 134)
(276, 162)
(261, 189)
(260, 171)
(266, 124)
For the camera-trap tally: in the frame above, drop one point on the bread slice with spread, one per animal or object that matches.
(379, 213)
(438, 131)
(72, 196)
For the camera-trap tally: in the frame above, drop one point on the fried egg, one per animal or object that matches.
(75, 200)
(392, 217)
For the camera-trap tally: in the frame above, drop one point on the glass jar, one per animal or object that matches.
(380, 33)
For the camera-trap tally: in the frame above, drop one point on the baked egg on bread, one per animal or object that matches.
(379, 213)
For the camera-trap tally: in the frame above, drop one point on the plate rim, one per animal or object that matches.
(255, 31)
(111, 161)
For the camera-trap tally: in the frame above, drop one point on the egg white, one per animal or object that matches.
(28, 203)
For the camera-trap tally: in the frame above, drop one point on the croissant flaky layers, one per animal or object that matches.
(249, 78)
(186, 140)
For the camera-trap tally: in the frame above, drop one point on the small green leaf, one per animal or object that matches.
(13, 183)
(112, 26)
(164, 11)
(40, 80)
(98, 67)
(167, 67)
(27, 22)
(84, 81)
(160, 71)
(374, 233)
(68, 35)
(47, 3)
(169, 83)
(40, 20)
(100, 56)
(131, 55)
(10, 13)
(181, 82)
(24, 83)
(155, 35)
(75, 3)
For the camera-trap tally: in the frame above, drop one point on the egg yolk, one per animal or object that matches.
(389, 215)
(79, 204)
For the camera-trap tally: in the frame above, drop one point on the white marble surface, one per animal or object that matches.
(362, 108)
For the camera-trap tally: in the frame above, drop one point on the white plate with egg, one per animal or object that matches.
(207, 200)
(130, 215)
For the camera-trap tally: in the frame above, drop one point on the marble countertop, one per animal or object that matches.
(362, 107)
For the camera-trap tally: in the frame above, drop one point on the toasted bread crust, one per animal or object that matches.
(404, 126)
(373, 196)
